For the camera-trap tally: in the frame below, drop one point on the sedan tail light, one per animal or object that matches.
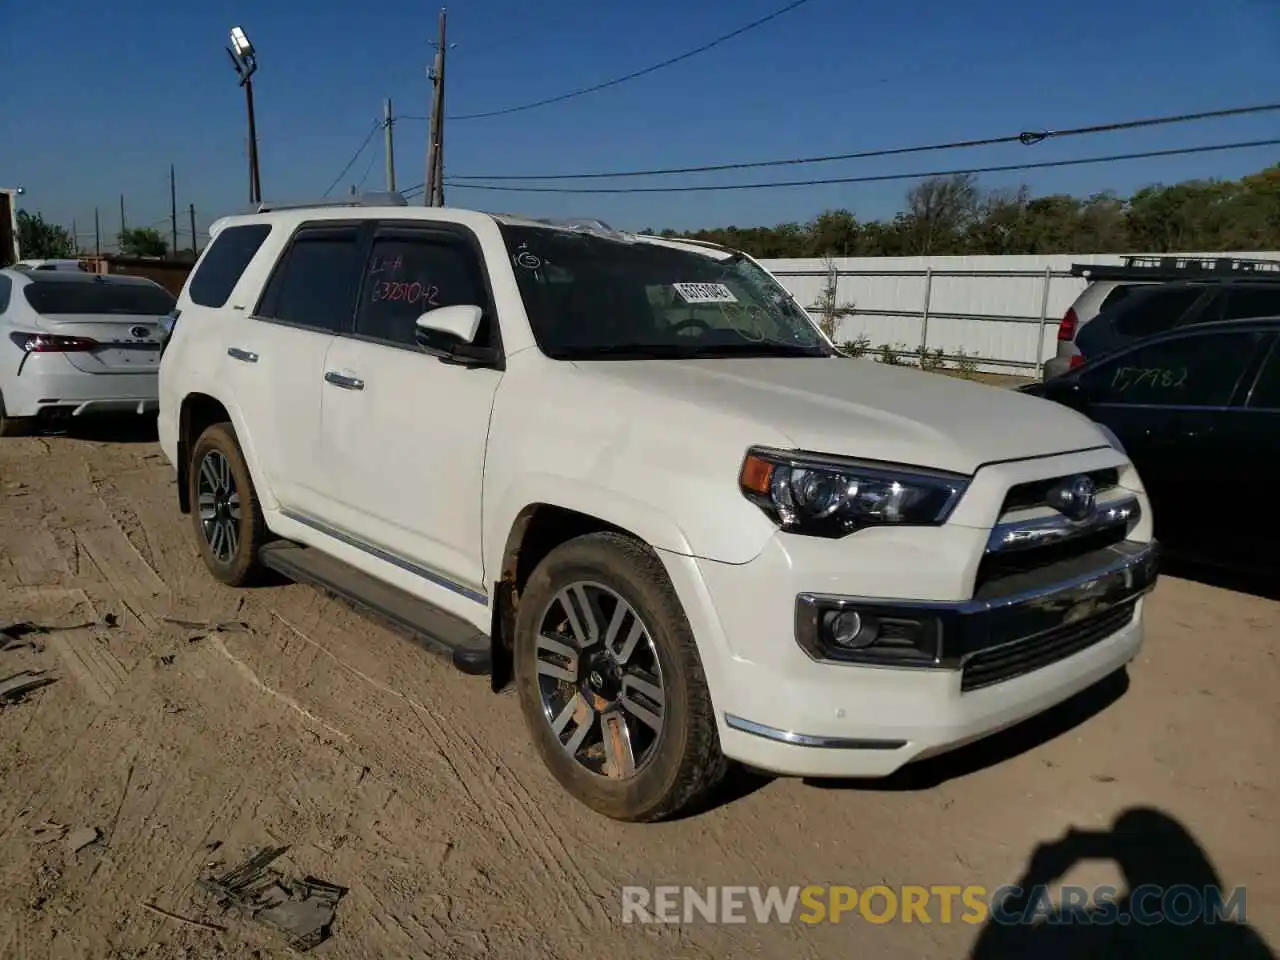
(1076, 361)
(49, 343)
(1067, 326)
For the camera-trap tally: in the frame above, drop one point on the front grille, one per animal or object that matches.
(1024, 496)
(999, 573)
(990, 667)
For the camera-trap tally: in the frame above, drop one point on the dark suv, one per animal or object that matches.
(1162, 307)
(1197, 409)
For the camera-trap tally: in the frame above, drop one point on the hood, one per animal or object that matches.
(862, 408)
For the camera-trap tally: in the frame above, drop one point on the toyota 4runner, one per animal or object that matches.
(629, 475)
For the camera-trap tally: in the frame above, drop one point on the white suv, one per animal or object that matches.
(631, 475)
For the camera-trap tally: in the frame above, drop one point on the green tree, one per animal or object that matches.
(953, 215)
(40, 240)
(833, 233)
(142, 242)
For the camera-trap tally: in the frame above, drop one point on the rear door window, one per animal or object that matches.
(6, 288)
(102, 297)
(315, 283)
(1193, 371)
(1155, 311)
(1243, 302)
(225, 262)
(411, 273)
(1117, 294)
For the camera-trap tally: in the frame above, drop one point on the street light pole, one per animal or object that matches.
(245, 60)
(255, 184)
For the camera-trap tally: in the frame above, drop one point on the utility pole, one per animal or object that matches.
(97, 234)
(124, 226)
(435, 133)
(391, 153)
(173, 212)
(195, 249)
(75, 239)
(440, 152)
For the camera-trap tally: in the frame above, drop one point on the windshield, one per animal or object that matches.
(123, 299)
(593, 296)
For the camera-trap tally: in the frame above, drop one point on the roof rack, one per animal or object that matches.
(381, 199)
(1158, 268)
(577, 223)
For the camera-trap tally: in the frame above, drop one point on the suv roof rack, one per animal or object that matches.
(381, 199)
(1158, 268)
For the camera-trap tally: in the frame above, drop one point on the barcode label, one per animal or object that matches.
(704, 293)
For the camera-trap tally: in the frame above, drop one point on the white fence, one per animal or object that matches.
(1002, 311)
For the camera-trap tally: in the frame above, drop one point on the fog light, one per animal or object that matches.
(850, 631)
(869, 632)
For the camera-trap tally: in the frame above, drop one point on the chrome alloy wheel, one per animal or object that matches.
(600, 680)
(219, 505)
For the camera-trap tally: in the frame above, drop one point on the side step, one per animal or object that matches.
(437, 630)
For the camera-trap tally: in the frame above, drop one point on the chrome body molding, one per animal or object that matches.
(1032, 605)
(1042, 531)
(808, 740)
(440, 580)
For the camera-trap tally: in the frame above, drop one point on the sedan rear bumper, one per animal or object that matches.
(48, 384)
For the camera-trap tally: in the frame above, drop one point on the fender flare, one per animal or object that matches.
(643, 520)
(266, 498)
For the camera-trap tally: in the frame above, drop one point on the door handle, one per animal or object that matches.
(346, 383)
(248, 356)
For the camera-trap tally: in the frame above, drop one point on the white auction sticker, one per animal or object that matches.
(704, 293)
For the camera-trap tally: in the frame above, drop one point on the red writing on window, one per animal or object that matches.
(415, 292)
(389, 265)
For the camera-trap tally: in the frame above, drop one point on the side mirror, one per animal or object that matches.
(460, 323)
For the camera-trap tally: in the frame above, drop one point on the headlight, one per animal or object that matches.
(832, 496)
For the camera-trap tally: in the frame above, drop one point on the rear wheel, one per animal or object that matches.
(13, 426)
(610, 681)
(229, 526)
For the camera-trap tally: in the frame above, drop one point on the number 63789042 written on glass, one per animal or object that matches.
(1155, 378)
(425, 294)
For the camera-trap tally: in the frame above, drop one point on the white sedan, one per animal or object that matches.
(75, 343)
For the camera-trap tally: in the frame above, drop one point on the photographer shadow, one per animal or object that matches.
(1152, 850)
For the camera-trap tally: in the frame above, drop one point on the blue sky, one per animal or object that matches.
(104, 96)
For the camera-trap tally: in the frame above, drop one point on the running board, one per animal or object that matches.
(437, 630)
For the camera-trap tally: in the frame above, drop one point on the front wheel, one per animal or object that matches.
(229, 526)
(611, 683)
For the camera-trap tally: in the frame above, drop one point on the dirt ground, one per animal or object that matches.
(390, 774)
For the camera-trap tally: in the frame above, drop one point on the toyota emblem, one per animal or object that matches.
(139, 332)
(1074, 498)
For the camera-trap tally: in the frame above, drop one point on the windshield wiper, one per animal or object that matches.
(671, 351)
(772, 348)
(637, 351)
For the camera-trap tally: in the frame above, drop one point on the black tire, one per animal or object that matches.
(14, 426)
(684, 762)
(234, 563)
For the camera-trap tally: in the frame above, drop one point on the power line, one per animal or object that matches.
(637, 73)
(1026, 137)
(354, 157)
(367, 170)
(881, 178)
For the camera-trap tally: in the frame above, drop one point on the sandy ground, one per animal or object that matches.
(386, 772)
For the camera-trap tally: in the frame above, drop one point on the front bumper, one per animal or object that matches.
(1000, 660)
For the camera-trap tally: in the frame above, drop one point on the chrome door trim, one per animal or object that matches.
(431, 576)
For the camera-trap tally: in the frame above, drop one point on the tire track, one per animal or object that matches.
(496, 793)
(92, 665)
